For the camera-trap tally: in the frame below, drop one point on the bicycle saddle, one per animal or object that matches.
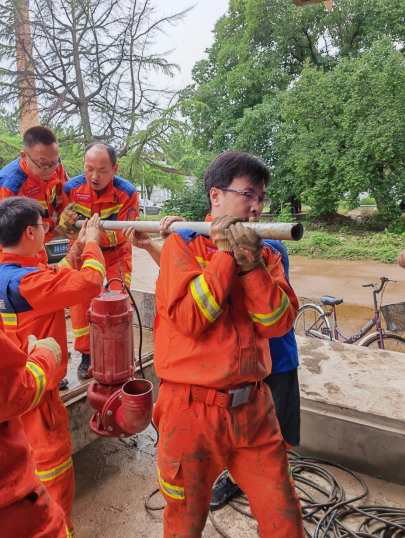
(330, 301)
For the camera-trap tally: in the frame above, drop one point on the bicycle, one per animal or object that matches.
(313, 321)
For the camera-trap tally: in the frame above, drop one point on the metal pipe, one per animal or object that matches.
(286, 231)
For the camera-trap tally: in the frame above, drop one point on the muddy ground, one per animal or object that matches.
(113, 477)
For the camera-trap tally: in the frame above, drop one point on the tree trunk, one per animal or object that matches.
(25, 78)
(83, 103)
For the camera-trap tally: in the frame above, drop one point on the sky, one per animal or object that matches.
(189, 37)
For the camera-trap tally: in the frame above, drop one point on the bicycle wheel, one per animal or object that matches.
(307, 322)
(392, 342)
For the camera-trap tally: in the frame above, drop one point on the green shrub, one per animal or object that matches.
(285, 214)
(369, 200)
(190, 203)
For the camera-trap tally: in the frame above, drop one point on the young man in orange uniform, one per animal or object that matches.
(37, 174)
(100, 191)
(25, 506)
(32, 301)
(219, 299)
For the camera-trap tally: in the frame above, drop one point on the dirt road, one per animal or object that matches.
(314, 278)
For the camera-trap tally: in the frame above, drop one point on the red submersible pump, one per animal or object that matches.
(123, 404)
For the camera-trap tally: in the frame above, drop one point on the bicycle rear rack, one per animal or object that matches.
(305, 300)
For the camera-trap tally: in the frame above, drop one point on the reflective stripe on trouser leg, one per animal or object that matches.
(61, 488)
(80, 326)
(191, 459)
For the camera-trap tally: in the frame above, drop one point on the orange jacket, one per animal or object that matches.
(118, 202)
(33, 296)
(213, 324)
(17, 180)
(22, 384)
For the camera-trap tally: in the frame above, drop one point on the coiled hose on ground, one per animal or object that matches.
(328, 511)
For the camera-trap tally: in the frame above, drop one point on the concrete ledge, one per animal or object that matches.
(353, 408)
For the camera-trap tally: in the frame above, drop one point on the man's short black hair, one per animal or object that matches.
(231, 165)
(111, 151)
(39, 135)
(15, 215)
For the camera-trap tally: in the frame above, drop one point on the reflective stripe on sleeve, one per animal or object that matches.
(85, 211)
(69, 534)
(201, 262)
(94, 264)
(40, 380)
(204, 299)
(175, 492)
(45, 476)
(128, 278)
(64, 263)
(81, 332)
(9, 319)
(272, 317)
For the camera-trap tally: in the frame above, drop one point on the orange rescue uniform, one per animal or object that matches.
(25, 506)
(118, 202)
(211, 336)
(32, 301)
(17, 180)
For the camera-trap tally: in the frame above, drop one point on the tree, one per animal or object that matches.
(261, 47)
(343, 132)
(91, 60)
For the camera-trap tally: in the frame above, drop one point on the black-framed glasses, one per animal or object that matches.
(250, 196)
(44, 166)
(45, 226)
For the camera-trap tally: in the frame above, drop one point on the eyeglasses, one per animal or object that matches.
(44, 166)
(250, 197)
(45, 226)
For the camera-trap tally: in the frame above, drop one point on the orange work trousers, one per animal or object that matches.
(47, 430)
(33, 516)
(115, 258)
(197, 441)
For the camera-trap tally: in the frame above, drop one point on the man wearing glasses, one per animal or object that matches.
(218, 301)
(37, 174)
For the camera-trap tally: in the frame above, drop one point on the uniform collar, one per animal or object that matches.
(108, 196)
(208, 218)
(20, 259)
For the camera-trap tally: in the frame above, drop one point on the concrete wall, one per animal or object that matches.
(353, 407)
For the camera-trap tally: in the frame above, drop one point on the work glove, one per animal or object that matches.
(47, 343)
(66, 226)
(247, 246)
(218, 231)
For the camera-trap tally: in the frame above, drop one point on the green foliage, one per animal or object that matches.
(10, 147)
(381, 247)
(343, 132)
(368, 200)
(190, 203)
(261, 46)
(284, 214)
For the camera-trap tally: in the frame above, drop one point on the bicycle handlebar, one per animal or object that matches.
(383, 279)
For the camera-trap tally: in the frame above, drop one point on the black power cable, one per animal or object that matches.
(325, 505)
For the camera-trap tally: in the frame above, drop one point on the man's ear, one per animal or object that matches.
(115, 168)
(215, 196)
(23, 155)
(29, 233)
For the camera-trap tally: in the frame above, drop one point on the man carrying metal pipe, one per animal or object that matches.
(218, 302)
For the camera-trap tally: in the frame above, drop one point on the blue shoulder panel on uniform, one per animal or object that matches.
(12, 176)
(188, 235)
(279, 247)
(124, 186)
(10, 279)
(76, 181)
